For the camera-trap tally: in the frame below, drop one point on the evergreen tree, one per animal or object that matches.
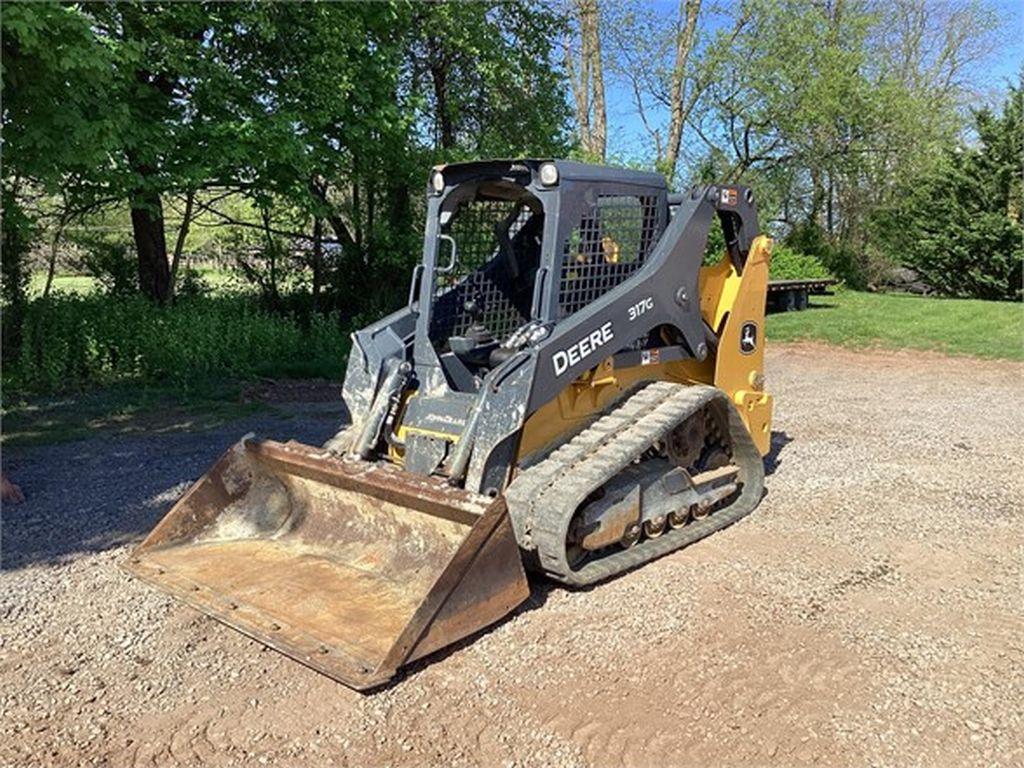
(962, 224)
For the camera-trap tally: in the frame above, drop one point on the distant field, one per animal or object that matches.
(954, 326)
(217, 279)
(62, 283)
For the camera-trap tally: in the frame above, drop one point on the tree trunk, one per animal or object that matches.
(318, 260)
(151, 247)
(338, 226)
(581, 92)
(439, 76)
(351, 268)
(599, 123)
(371, 213)
(588, 87)
(689, 10)
(51, 267)
(179, 245)
(357, 212)
(829, 210)
(273, 295)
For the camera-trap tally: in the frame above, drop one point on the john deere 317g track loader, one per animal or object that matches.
(567, 389)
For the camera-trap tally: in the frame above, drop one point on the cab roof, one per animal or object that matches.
(568, 170)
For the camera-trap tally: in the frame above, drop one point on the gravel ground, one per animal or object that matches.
(869, 613)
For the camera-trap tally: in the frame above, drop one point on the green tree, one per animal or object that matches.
(828, 108)
(57, 125)
(961, 224)
(316, 125)
(367, 96)
(98, 105)
(58, 116)
(483, 78)
(322, 116)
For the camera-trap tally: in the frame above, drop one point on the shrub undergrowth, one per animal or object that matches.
(75, 341)
(790, 264)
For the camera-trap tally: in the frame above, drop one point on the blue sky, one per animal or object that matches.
(1006, 63)
(628, 140)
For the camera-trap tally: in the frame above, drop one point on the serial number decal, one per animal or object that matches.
(642, 306)
(563, 358)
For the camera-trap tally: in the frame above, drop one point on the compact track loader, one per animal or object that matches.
(568, 389)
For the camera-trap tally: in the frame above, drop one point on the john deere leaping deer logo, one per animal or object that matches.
(748, 338)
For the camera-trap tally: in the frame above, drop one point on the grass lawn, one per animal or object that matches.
(953, 326)
(63, 283)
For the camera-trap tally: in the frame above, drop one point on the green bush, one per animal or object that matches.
(73, 342)
(790, 264)
(18, 231)
(111, 262)
(191, 284)
(838, 259)
(961, 223)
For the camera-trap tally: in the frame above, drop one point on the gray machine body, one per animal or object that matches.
(599, 263)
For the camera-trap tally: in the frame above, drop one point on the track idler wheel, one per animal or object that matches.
(679, 518)
(631, 536)
(655, 526)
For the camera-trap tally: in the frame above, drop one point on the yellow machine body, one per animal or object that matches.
(728, 301)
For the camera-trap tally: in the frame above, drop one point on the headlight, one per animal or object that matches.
(548, 174)
(437, 182)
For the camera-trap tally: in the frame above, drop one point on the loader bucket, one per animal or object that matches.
(351, 568)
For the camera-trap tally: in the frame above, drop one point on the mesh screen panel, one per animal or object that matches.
(610, 243)
(499, 281)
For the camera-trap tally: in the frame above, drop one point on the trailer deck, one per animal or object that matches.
(792, 295)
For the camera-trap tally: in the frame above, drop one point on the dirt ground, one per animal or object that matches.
(870, 612)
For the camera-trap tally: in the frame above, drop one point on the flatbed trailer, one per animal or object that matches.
(783, 295)
(792, 295)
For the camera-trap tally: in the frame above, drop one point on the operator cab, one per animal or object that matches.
(488, 256)
(513, 247)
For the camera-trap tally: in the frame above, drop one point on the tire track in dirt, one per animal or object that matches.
(737, 694)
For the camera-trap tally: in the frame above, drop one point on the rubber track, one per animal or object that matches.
(540, 477)
(544, 498)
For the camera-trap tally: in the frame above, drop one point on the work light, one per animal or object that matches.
(437, 182)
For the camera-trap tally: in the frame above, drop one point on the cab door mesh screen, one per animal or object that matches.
(498, 279)
(611, 241)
